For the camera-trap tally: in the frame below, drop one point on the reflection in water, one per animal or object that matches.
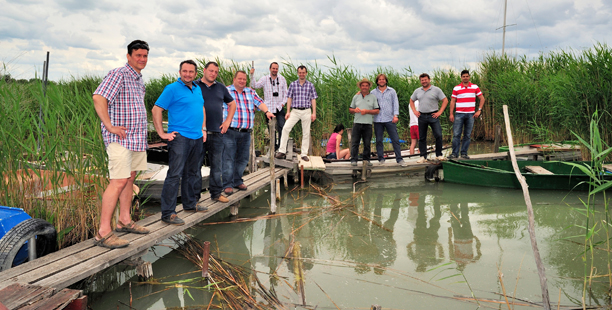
(460, 237)
(353, 254)
(425, 250)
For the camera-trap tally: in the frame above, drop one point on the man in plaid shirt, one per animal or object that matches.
(275, 96)
(301, 98)
(119, 102)
(237, 139)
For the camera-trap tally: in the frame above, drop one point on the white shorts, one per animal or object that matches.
(121, 161)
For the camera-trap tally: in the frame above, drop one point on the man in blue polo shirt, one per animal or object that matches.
(186, 120)
(216, 99)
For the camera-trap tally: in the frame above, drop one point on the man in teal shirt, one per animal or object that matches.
(364, 106)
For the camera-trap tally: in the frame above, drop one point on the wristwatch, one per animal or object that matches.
(203, 128)
(479, 109)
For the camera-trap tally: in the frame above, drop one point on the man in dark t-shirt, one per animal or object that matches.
(215, 96)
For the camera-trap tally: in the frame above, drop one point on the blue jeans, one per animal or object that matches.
(424, 121)
(184, 162)
(235, 157)
(213, 148)
(392, 131)
(463, 122)
(361, 131)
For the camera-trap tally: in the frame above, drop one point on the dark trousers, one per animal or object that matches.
(280, 122)
(184, 162)
(391, 128)
(213, 148)
(424, 121)
(235, 157)
(361, 131)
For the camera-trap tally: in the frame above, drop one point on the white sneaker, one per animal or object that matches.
(421, 160)
(441, 158)
(403, 163)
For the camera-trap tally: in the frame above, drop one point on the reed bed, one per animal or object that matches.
(59, 131)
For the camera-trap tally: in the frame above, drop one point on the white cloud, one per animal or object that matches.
(90, 36)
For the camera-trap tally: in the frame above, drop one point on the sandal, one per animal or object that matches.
(131, 228)
(110, 241)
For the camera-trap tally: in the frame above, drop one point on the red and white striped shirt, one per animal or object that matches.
(466, 97)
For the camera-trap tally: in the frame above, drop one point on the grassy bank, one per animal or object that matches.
(546, 96)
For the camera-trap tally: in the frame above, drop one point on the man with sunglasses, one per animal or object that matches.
(275, 96)
(119, 102)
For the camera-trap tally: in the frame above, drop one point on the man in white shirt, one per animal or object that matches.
(275, 96)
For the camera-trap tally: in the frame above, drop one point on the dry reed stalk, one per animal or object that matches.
(501, 281)
(324, 292)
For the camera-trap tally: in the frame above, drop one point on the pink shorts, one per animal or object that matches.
(414, 132)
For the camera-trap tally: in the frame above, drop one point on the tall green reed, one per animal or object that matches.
(597, 226)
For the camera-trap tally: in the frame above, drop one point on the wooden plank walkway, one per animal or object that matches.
(70, 265)
(314, 163)
(31, 297)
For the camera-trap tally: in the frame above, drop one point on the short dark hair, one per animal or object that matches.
(465, 72)
(383, 75)
(423, 75)
(273, 63)
(338, 128)
(211, 63)
(188, 61)
(302, 67)
(137, 45)
(239, 71)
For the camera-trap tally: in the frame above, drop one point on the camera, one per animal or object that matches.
(275, 94)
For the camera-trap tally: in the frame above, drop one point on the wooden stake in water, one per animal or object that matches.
(205, 257)
(534, 242)
(272, 129)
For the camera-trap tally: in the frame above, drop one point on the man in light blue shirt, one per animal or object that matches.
(186, 135)
(387, 119)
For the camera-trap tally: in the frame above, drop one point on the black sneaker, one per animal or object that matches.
(465, 157)
(173, 220)
(452, 156)
(353, 163)
(198, 208)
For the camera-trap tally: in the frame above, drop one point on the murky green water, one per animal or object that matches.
(403, 244)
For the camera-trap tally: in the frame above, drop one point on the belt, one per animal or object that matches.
(240, 129)
(301, 108)
(427, 113)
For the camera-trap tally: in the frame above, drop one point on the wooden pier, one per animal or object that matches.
(63, 268)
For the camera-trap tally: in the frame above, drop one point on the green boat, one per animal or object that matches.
(499, 173)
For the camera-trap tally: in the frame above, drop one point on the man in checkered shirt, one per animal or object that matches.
(301, 106)
(119, 102)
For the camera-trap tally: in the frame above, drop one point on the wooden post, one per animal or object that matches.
(272, 128)
(234, 208)
(364, 170)
(289, 155)
(497, 138)
(302, 176)
(278, 195)
(205, 257)
(349, 135)
(285, 176)
(252, 157)
(531, 227)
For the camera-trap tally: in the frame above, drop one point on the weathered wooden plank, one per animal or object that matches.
(537, 170)
(140, 242)
(314, 163)
(608, 167)
(82, 249)
(59, 300)
(503, 155)
(17, 296)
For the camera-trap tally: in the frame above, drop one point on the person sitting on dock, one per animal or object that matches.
(414, 128)
(237, 140)
(464, 95)
(301, 98)
(119, 102)
(333, 150)
(186, 120)
(387, 119)
(429, 96)
(216, 97)
(363, 106)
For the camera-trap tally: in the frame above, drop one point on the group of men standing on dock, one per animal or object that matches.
(206, 118)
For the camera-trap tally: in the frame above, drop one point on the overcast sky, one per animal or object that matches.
(87, 37)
